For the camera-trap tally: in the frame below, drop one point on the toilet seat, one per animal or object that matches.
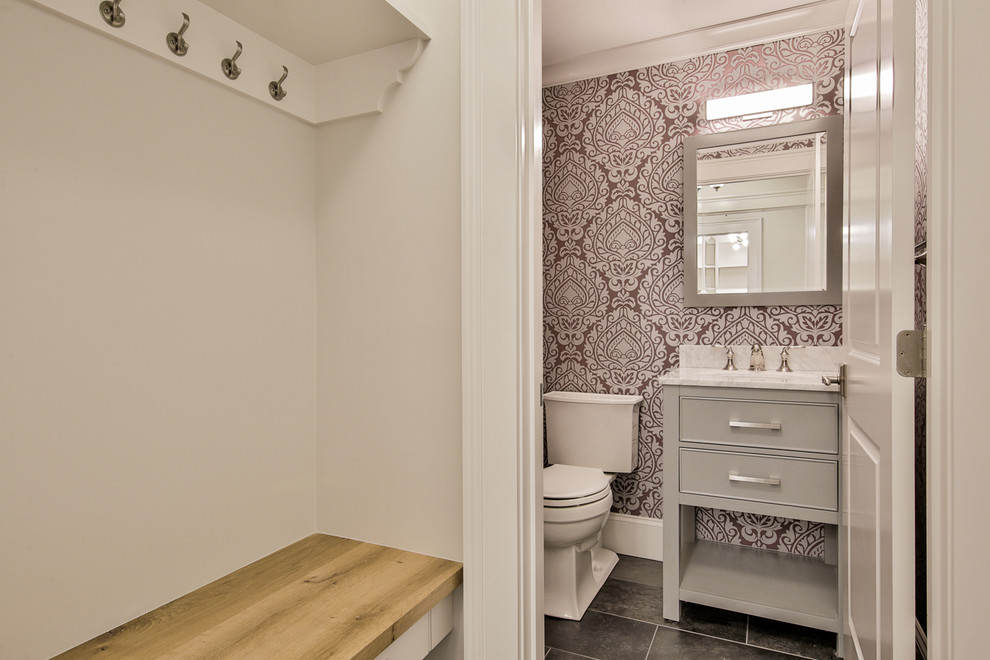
(578, 501)
(571, 485)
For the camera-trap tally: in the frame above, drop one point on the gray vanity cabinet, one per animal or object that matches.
(761, 451)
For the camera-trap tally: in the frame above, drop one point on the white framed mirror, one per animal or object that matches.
(763, 216)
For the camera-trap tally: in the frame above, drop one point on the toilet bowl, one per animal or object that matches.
(590, 437)
(576, 505)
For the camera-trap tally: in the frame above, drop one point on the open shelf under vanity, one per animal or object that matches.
(774, 585)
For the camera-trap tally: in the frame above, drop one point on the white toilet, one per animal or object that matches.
(590, 437)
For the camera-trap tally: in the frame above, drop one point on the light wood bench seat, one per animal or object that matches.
(321, 597)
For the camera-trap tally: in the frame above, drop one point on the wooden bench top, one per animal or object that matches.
(321, 597)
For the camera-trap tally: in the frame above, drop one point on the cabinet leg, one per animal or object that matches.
(831, 549)
(671, 562)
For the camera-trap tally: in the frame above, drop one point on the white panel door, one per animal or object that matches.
(878, 419)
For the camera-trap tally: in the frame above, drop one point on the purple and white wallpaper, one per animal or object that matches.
(795, 536)
(613, 267)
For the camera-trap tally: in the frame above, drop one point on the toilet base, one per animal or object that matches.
(572, 578)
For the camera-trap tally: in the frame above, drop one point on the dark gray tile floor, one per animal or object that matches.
(624, 622)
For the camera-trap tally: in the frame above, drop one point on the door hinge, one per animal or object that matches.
(912, 356)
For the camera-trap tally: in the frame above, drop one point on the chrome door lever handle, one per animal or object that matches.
(838, 379)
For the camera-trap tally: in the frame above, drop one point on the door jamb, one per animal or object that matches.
(501, 299)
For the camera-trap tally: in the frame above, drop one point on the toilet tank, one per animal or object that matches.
(593, 430)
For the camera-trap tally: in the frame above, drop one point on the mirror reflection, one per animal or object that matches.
(762, 198)
(759, 213)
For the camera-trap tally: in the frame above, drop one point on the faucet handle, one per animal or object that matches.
(784, 354)
(729, 357)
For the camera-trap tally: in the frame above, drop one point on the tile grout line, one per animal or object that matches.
(577, 655)
(627, 618)
(656, 626)
(731, 641)
(631, 581)
(784, 653)
(656, 630)
(746, 638)
(649, 649)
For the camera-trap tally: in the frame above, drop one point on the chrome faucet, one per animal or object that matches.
(729, 357)
(756, 359)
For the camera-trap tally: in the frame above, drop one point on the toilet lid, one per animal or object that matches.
(570, 481)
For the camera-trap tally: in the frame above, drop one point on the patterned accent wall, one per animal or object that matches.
(782, 534)
(614, 310)
(755, 148)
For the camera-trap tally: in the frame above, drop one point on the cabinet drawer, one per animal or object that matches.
(788, 481)
(767, 424)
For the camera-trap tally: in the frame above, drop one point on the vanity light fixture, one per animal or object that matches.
(747, 104)
(739, 241)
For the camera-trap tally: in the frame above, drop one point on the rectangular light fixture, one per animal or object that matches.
(774, 99)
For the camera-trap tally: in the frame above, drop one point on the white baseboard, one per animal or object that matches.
(634, 536)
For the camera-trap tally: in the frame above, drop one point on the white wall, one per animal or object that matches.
(388, 270)
(157, 332)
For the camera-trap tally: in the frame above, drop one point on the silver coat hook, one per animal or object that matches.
(112, 13)
(275, 87)
(175, 42)
(229, 64)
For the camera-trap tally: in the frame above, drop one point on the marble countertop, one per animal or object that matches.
(773, 380)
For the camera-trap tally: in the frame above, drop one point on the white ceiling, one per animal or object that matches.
(319, 31)
(580, 37)
(592, 35)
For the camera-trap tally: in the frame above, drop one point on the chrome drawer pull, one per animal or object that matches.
(771, 481)
(766, 426)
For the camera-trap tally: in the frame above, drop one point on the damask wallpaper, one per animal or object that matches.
(613, 267)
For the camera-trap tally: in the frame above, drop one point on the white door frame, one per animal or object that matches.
(958, 449)
(501, 272)
(500, 236)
